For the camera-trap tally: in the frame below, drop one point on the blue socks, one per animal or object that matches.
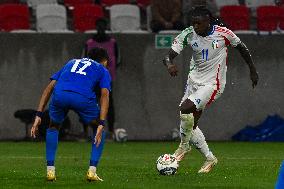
(52, 142)
(97, 151)
(51, 145)
(280, 182)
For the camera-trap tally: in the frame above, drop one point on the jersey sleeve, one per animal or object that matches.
(56, 75)
(105, 80)
(182, 40)
(232, 38)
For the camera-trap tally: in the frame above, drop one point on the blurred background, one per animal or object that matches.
(39, 36)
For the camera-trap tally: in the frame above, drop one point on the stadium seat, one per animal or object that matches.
(14, 16)
(85, 17)
(35, 3)
(281, 19)
(236, 17)
(124, 17)
(267, 18)
(73, 3)
(109, 3)
(257, 3)
(143, 3)
(51, 17)
(221, 3)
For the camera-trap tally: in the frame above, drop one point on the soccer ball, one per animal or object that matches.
(120, 135)
(167, 164)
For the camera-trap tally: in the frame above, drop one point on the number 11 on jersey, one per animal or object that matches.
(205, 53)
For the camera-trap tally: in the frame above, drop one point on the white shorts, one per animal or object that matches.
(201, 94)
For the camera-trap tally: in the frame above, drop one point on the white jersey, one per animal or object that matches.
(209, 59)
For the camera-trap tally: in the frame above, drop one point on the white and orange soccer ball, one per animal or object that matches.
(167, 164)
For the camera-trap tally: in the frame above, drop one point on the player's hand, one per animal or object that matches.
(254, 78)
(34, 128)
(172, 69)
(98, 137)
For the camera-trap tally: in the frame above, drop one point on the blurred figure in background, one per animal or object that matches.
(279, 3)
(242, 2)
(166, 15)
(103, 40)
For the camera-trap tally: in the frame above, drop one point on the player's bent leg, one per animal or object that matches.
(199, 142)
(88, 115)
(57, 113)
(186, 125)
(95, 157)
(51, 147)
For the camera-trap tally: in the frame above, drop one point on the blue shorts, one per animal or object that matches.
(63, 101)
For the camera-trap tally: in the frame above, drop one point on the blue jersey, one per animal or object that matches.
(81, 76)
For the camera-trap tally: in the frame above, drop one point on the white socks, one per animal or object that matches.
(194, 136)
(93, 169)
(199, 142)
(186, 125)
(52, 168)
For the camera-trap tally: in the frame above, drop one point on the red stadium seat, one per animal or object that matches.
(85, 17)
(14, 17)
(236, 17)
(267, 18)
(113, 2)
(281, 18)
(143, 3)
(73, 3)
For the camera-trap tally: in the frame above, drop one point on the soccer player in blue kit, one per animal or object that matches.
(72, 88)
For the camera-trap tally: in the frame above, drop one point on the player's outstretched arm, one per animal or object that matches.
(104, 102)
(42, 103)
(168, 61)
(242, 48)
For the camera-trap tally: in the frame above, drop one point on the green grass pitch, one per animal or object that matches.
(131, 165)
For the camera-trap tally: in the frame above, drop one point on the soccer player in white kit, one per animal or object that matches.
(207, 78)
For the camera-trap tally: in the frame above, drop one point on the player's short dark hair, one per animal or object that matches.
(203, 11)
(98, 54)
(200, 11)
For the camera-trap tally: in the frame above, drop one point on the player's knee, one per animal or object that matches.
(54, 126)
(187, 107)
